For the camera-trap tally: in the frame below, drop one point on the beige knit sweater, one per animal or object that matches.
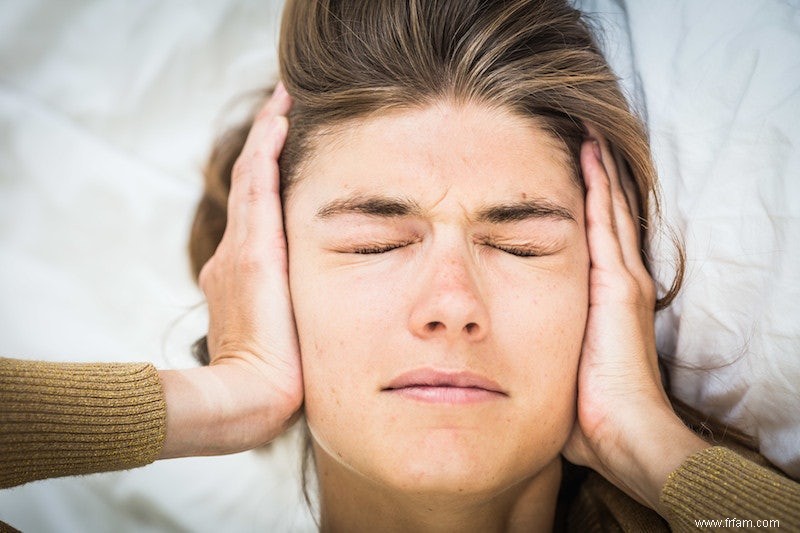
(62, 419)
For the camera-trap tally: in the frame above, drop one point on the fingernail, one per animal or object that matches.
(281, 124)
(596, 149)
(278, 128)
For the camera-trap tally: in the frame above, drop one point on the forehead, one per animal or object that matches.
(469, 151)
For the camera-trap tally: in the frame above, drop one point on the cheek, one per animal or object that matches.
(542, 324)
(544, 308)
(342, 324)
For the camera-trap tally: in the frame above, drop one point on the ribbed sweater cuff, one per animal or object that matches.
(62, 419)
(719, 481)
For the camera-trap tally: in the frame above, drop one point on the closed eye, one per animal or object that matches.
(519, 252)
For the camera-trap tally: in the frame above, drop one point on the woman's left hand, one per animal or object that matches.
(625, 427)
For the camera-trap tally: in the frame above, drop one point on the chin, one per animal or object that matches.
(448, 462)
(472, 451)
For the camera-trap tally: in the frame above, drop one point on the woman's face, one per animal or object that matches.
(439, 276)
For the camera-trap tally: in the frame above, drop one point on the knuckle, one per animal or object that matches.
(266, 112)
(637, 289)
(649, 290)
(241, 168)
(628, 288)
(250, 261)
(255, 191)
(206, 277)
(246, 177)
(248, 161)
(259, 155)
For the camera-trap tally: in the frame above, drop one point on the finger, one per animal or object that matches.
(628, 222)
(278, 103)
(258, 138)
(255, 178)
(625, 214)
(625, 206)
(612, 167)
(254, 206)
(604, 247)
(627, 230)
(629, 187)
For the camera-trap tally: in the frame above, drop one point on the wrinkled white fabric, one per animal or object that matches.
(107, 111)
(721, 82)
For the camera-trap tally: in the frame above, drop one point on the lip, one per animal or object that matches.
(443, 386)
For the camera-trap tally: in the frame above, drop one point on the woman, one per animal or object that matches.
(434, 205)
(451, 287)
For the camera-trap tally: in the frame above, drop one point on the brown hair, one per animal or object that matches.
(343, 60)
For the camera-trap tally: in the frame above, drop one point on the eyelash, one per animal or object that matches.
(518, 252)
(380, 249)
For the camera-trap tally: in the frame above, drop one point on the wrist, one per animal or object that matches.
(219, 409)
(651, 449)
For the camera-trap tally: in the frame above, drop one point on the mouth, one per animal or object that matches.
(437, 386)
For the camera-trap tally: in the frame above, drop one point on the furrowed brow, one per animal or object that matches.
(523, 210)
(375, 206)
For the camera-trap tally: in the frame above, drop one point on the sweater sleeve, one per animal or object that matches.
(717, 484)
(64, 419)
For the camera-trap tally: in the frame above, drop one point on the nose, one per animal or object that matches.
(449, 303)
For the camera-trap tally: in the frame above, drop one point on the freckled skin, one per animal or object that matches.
(447, 301)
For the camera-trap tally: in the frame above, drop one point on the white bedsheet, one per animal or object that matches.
(107, 110)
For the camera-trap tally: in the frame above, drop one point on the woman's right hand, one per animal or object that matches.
(253, 388)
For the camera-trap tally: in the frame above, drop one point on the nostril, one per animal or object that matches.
(432, 326)
(472, 327)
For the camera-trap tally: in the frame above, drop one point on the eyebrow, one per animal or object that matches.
(396, 207)
(524, 210)
(376, 206)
